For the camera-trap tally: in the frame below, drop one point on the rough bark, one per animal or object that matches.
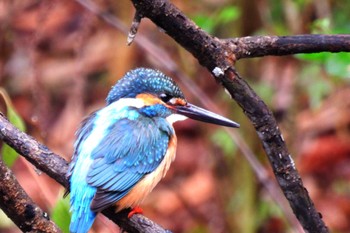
(20, 207)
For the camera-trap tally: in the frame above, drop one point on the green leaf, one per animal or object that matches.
(9, 155)
(60, 214)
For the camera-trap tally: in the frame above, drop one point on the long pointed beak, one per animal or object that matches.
(200, 114)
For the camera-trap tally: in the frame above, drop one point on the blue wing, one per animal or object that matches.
(130, 150)
(81, 193)
(84, 131)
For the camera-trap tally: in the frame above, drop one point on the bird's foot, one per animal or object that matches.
(135, 210)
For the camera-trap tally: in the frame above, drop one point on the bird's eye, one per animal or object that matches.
(165, 97)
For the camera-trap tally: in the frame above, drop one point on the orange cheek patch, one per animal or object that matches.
(149, 99)
(180, 102)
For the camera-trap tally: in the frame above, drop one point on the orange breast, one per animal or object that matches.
(149, 181)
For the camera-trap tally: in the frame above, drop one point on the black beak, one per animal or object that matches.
(200, 114)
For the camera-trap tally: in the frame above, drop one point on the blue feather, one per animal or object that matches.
(143, 80)
(81, 193)
(82, 216)
(120, 164)
(92, 131)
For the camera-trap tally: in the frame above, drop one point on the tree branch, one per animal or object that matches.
(258, 46)
(36, 153)
(168, 64)
(282, 164)
(219, 57)
(208, 50)
(56, 167)
(19, 206)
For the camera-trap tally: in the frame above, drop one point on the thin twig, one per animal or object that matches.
(134, 27)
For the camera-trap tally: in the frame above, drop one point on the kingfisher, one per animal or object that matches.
(124, 149)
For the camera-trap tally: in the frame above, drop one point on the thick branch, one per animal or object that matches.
(258, 46)
(277, 152)
(36, 153)
(219, 58)
(208, 50)
(19, 206)
(56, 167)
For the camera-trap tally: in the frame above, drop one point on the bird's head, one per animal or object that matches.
(161, 95)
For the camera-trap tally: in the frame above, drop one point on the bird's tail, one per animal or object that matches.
(82, 216)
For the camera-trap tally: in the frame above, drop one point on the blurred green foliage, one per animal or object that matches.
(220, 17)
(319, 67)
(335, 64)
(5, 222)
(221, 139)
(264, 90)
(60, 214)
(9, 155)
(314, 84)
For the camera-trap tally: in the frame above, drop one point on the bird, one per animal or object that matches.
(124, 149)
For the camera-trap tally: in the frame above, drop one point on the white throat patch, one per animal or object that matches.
(175, 117)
